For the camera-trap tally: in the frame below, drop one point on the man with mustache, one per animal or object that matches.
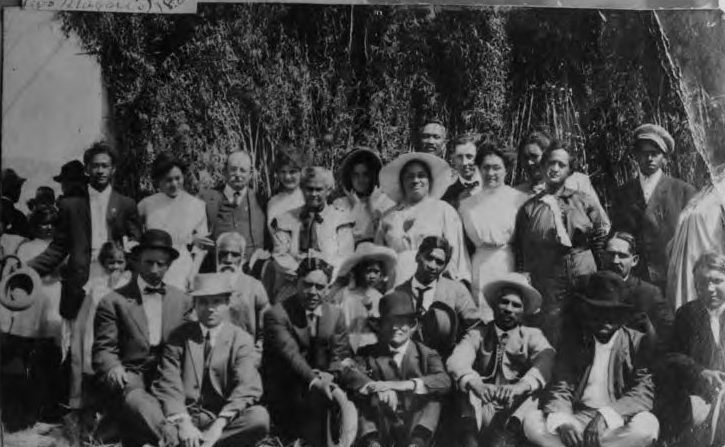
(432, 138)
(499, 365)
(649, 206)
(249, 300)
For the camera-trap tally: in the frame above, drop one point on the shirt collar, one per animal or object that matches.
(608, 345)
(476, 178)
(416, 285)
(717, 312)
(400, 349)
(92, 192)
(510, 332)
(143, 284)
(213, 332)
(652, 179)
(317, 312)
(229, 192)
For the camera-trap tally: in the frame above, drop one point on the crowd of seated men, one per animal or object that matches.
(426, 305)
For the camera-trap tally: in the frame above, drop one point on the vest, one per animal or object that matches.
(248, 220)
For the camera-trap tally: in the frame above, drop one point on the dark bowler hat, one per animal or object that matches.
(397, 304)
(11, 179)
(73, 171)
(605, 291)
(158, 240)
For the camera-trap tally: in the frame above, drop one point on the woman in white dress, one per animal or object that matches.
(181, 215)
(489, 219)
(363, 199)
(288, 170)
(416, 181)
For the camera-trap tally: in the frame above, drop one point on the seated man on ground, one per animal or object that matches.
(500, 365)
(208, 385)
(398, 383)
(602, 390)
(304, 339)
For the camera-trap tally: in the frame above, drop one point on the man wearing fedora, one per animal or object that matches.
(602, 391)
(500, 365)
(12, 185)
(431, 290)
(649, 206)
(397, 383)
(72, 179)
(208, 384)
(85, 223)
(131, 326)
(304, 339)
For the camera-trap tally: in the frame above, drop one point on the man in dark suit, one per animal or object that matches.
(696, 364)
(130, 328)
(648, 207)
(12, 185)
(652, 314)
(235, 206)
(398, 382)
(85, 223)
(601, 392)
(304, 339)
(428, 286)
(463, 161)
(208, 377)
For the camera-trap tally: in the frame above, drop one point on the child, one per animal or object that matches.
(371, 268)
(113, 261)
(397, 383)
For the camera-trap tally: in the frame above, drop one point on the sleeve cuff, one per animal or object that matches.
(176, 418)
(420, 387)
(534, 379)
(465, 380)
(556, 420)
(228, 415)
(613, 419)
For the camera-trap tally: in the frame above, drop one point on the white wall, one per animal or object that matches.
(53, 103)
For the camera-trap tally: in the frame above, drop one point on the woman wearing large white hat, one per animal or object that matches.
(417, 181)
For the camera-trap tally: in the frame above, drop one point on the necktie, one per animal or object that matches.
(237, 198)
(312, 323)
(471, 185)
(419, 300)
(308, 238)
(207, 347)
(148, 290)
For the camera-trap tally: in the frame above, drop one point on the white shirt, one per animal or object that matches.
(649, 184)
(398, 356)
(98, 201)
(229, 194)
(313, 317)
(428, 295)
(715, 322)
(213, 333)
(154, 310)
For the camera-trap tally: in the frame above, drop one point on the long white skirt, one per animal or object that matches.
(490, 263)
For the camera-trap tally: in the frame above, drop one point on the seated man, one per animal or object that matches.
(398, 382)
(304, 339)
(131, 326)
(697, 361)
(428, 286)
(501, 364)
(602, 390)
(208, 376)
(249, 299)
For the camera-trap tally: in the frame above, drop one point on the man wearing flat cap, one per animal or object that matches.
(12, 185)
(649, 206)
(131, 326)
(208, 384)
(501, 364)
(601, 394)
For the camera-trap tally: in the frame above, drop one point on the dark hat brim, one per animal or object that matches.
(172, 251)
(604, 305)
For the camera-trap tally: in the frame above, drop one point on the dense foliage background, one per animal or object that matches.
(328, 78)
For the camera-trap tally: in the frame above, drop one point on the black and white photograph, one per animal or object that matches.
(362, 225)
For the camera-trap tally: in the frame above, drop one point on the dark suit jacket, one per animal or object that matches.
(121, 329)
(72, 238)
(454, 194)
(290, 353)
(648, 302)
(653, 224)
(630, 380)
(232, 372)
(17, 222)
(454, 294)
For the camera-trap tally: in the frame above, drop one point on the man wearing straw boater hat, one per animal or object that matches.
(602, 390)
(398, 383)
(208, 384)
(500, 365)
(649, 206)
(131, 326)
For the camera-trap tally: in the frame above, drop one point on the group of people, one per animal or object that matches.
(433, 300)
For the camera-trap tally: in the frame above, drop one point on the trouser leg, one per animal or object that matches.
(142, 420)
(641, 431)
(246, 429)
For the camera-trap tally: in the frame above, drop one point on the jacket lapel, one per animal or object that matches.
(658, 193)
(386, 364)
(410, 366)
(298, 320)
(195, 345)
(112, 214)
(137, 313)
(218, 359)
(169, 304)
(85, 218)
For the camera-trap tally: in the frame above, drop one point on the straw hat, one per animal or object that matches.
(212, 284)
(518, 281)
(369, 251)
(20, 287)
(439, 169)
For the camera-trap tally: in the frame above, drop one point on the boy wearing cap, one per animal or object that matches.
(649, 206)
(602, 390)
(501, 364)
(208, 385)
(398, 383)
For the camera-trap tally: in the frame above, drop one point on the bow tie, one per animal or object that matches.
(148, 290)
(312, 215)
(470, 185)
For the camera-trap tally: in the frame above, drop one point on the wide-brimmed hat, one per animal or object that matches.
(156, 239)
(20, 286)
(73, 171)
(11, 179)
(441, 177)
(439, 327)
(656, 134)
(604, 291)
(367, 251)
(211, 284)
(530, 296)
(397, 304)
(359, 155)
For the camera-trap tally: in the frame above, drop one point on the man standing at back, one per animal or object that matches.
(432, 138)
(235, 207)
